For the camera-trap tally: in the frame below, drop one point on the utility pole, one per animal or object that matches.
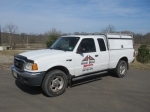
(0, 37)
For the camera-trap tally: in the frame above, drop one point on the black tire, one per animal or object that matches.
(54, 83)
(121, 69)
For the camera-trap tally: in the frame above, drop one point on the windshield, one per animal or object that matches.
(65, 43)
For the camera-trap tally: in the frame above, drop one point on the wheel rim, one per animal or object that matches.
(57, 83)
(122, 69)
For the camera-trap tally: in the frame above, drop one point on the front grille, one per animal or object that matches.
(18, 63)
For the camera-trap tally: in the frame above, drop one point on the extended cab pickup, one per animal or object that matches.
(72, 58)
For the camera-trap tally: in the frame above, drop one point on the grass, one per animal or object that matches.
(141, 66)
(11, 52)
(35, 45)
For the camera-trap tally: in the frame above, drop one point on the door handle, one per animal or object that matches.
(69, 60)
(96, 55)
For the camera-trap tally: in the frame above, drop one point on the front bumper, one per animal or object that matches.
(28, 78)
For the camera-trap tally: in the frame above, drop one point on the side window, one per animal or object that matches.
(87, 45)
(101, 44)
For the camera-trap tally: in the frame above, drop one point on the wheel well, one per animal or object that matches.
(62, 68)
(125, 59)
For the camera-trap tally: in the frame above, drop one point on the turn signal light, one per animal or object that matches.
(34, 66)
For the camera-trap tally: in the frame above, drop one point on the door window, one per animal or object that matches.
(87, 45)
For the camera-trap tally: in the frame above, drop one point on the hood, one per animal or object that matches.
(39, 55)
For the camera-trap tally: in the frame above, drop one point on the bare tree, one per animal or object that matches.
(76, 33)
(109, 29)
(147, 38)
(127, 32)
(22, 35)
(0, 36)
(10, 30)
(53, 31)
(83, 33)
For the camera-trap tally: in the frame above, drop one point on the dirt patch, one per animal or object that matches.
(11, 52)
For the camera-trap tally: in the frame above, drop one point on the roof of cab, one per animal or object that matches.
(85, 36)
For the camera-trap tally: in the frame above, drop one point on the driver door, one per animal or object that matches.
(86, 57)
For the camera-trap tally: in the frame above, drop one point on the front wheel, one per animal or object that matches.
(121, 69)
(54, 83)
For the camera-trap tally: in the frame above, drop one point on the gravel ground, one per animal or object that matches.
(6, 59)
(6, 62)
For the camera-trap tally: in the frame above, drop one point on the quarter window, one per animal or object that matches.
(101, 45)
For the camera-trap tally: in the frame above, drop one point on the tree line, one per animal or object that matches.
(10, 37)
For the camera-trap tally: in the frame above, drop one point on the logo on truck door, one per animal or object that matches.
(87, 63)
(91, 60)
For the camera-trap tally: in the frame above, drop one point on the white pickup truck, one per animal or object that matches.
(72, 58)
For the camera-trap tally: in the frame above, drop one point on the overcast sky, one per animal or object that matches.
(69, 16)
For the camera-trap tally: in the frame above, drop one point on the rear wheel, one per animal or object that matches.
(54, 83)
(121, 69)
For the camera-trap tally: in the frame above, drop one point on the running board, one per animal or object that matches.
(89, 75)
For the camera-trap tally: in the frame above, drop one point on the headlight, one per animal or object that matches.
(31, 66)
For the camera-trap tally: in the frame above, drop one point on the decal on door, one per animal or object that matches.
(91, 60)
(85, 60)
(87, 63)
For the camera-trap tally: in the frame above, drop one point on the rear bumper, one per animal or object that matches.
(28, 78)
